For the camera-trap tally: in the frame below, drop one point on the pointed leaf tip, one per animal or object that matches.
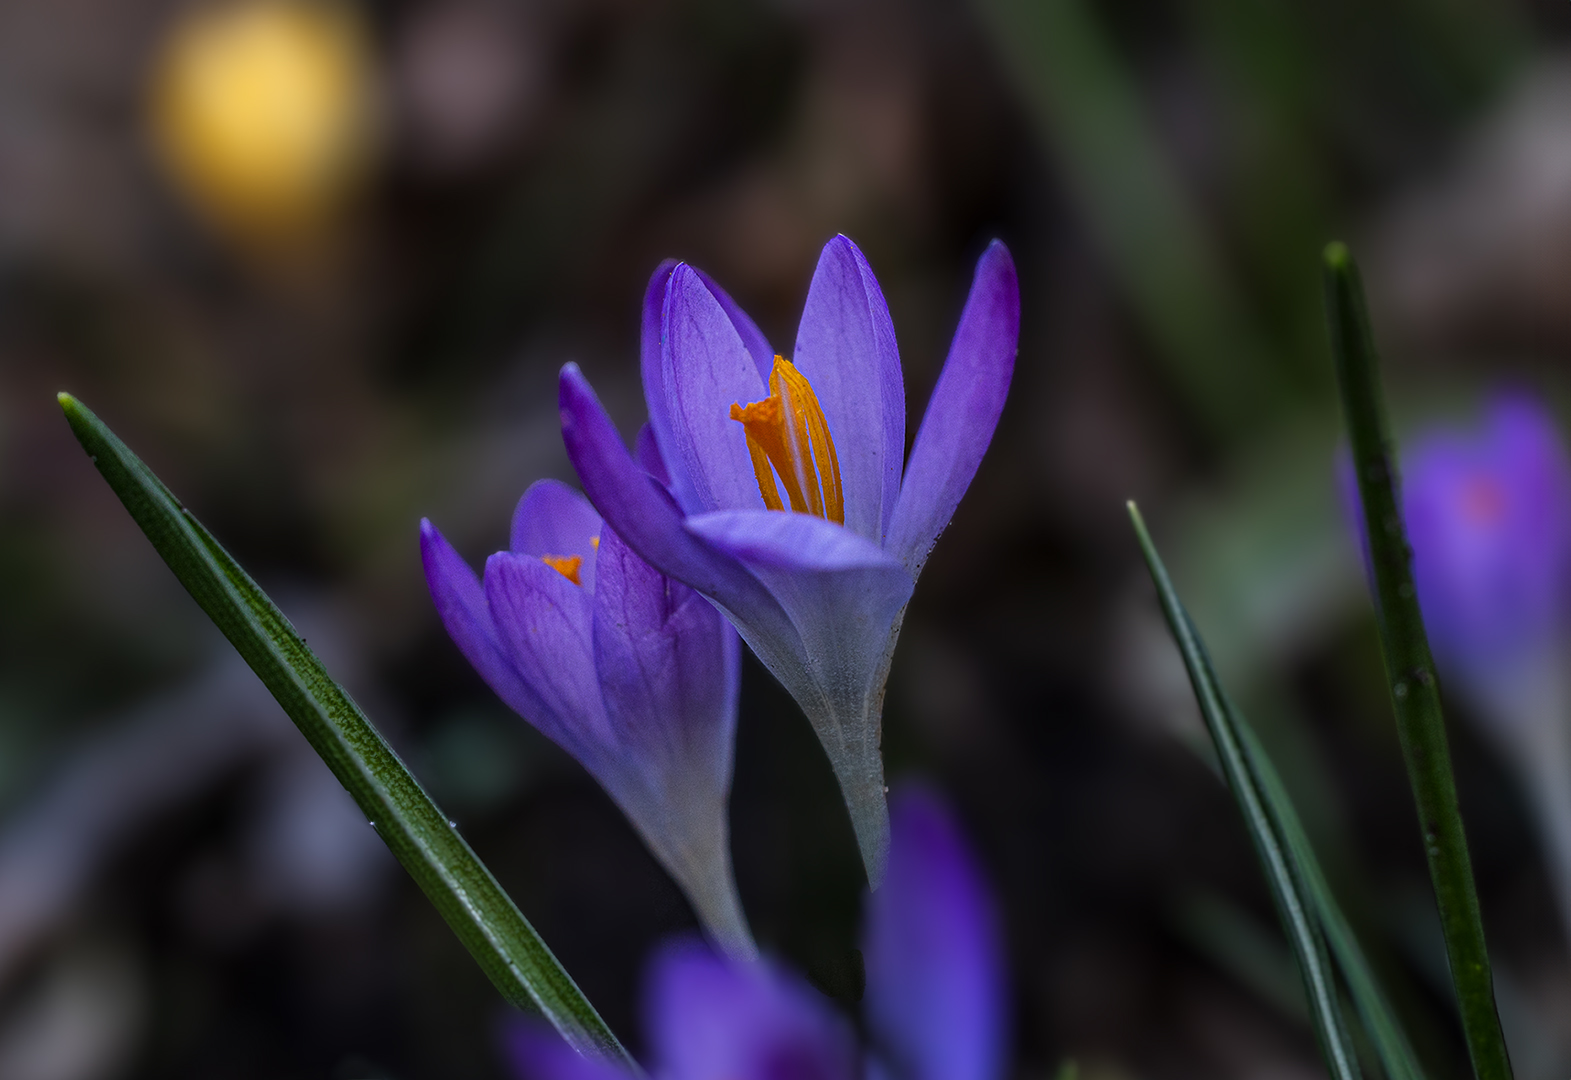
(1337, 256)
(66, 400)
(1137, 519)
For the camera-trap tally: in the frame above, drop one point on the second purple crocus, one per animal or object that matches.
(790, 504)
(631, 673)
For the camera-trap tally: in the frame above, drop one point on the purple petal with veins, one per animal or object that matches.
(633, 674)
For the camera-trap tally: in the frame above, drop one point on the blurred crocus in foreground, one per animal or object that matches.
(1488, 517)
(935, 1005)
(634, 675)
(787, 505)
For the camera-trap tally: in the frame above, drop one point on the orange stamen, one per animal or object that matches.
(566, 565)
(788, 436)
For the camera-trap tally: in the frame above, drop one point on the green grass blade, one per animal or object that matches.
(482, 915)
(1087, 109)
(1415, 693)
(1379, 1018)
(1276, 857)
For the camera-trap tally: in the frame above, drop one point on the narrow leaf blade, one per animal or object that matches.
(1374, 1009)
(1410, 670)
(482, 915)
(1293, 906)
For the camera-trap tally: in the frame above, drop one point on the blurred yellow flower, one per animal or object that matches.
(263, 112)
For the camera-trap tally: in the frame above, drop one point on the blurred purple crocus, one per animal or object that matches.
(633, 674)
(818, 592)
(1489, 519)
(935, 1002)
(1488, 516)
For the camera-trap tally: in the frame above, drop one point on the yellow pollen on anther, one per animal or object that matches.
(566, 565)
(594, 542)
(788, 436)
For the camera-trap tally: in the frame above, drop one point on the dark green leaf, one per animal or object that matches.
(1415, 693)
(482, 915)
(1288, 888)
(1391, 1043)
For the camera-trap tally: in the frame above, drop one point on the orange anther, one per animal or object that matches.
(566, 565)
(788, 436)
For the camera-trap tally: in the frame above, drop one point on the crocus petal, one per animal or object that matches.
(553, 519)
(1489, 519)
(535, 1052)
(1488, 515)
(647, 453)
(962, 412)
(753, 339)
(845, 596)
(643, 514)
(845, 345)
(670, 666)
(708, 1019)
(935, 986)
(461, 603)
(651, 331)
(544, 622)
(670, 670)
(704, 369)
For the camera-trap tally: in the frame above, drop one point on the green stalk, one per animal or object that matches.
(1379, 1018)
(454, 879)
(1415, 693)
(1088, 112)
(1294, 903)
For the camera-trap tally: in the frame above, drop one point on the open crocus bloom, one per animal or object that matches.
(786, 504)
(935, 1001)
(634, 675)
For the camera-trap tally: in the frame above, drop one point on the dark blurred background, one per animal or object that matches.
(318, 340)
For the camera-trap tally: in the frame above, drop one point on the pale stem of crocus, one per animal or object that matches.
(698, 857)
(1548, 780)
(859, 767)
(1530, 722)
(860, 770)
(720, 911)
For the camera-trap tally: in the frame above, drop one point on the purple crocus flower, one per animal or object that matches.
(633, 674)
(935, 1002)
(1488, 516)
(819, 592)
(1489, 519)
